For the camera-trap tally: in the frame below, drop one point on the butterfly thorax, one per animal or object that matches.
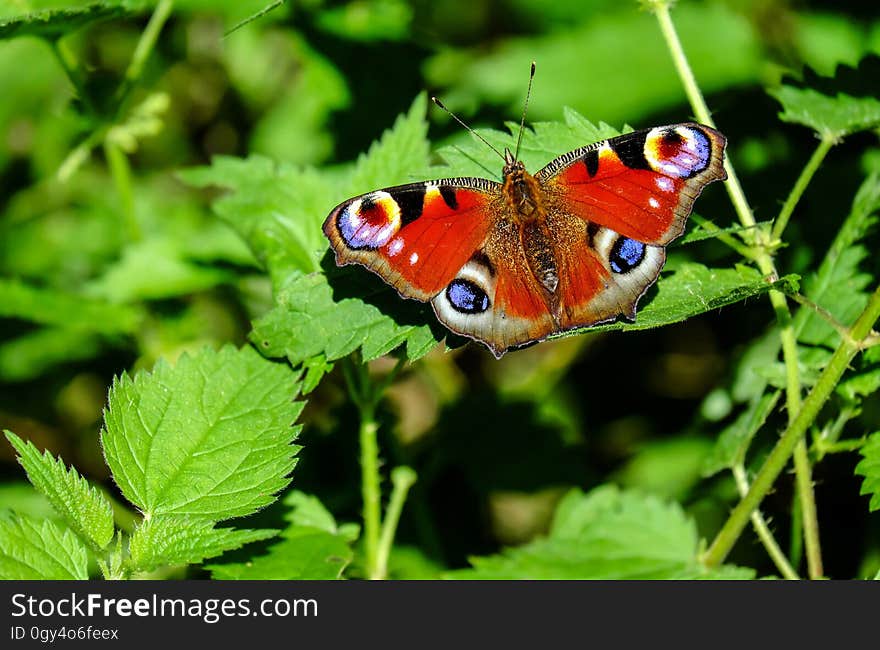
(523, 194)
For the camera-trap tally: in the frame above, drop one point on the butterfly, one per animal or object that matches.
(510, 263)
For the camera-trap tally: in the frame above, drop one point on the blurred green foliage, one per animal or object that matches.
(164, 171)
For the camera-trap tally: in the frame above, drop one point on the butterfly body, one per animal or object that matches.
(509, 263)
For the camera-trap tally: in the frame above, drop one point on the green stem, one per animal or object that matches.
(370, 491)
(120, 170)
(762, 258)
(825, 144)
(698, 104)
(804, 480)
(763, 530)
(71, 69)
(402, 479)
(795, 431)
(145, 46)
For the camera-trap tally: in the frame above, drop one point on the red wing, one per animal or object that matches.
(416, 237)
(642, 184)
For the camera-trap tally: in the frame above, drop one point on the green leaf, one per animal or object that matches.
(173, 540)
(869, 467)
(314, 547)
(32, 549)
(840, 286)
(29, 355)
(277, 209)
(607, 534)
(368, 20)
(154, 269)
(54, 23)
(211, 436)
(694, 289)
(833, 117)
(733, 443)
(667, 468)
(84, 508)
(50, 307)
(309, 320)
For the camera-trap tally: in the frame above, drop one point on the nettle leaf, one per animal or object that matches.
(277, 209)
(694, 289)
(210, 436)
(72, 311)
(85, 509)
(172, 540)
(869, 467)
(834, 116)
(840, 286)
(314, 319)
(33, 549)
(733, 443)
(607, 534)
(865, 379)
(54, 23)
(313, 547)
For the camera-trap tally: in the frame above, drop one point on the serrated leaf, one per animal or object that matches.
(399, 156)
(53, 23)
(314, 547)
(733, 442)
(834, 117)
(694, 289)
(869, 467)
(865, 380)
(840, 286)
(72, 311)
(32, 549)
(211, 436)
(85, 509)
(276, 209)
(172, 540)
(309, 320)
(606, 534)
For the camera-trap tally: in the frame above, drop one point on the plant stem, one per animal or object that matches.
(698, 104)
(795, 431)
(145, 45)
(121, 172)
(370, 491)
(763, 530)
(825, 144)
(804, 481)
(764, 261)
(402, 479)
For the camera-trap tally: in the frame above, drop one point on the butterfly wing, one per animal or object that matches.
(416, 237)
(613, 206)
(448, 242)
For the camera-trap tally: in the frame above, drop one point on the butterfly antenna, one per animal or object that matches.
(457, 119)
(522, 124)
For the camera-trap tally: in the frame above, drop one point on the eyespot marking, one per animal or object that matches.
(466, 297)
(626, 254)
(679, 152)
(369, 222)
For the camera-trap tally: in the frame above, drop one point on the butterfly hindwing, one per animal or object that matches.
(417, 236)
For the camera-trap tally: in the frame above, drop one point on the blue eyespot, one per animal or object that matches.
(467, 297)
(626, 254)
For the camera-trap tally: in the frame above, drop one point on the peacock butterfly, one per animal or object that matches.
(511, 263)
